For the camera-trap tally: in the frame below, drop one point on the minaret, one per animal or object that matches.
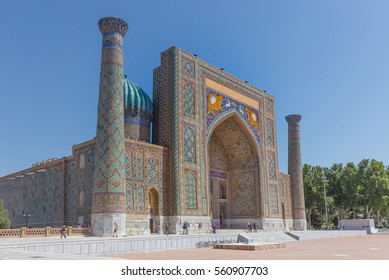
(109, 198)
(296, 172)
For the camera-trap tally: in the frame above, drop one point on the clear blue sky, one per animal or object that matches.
(325, 60)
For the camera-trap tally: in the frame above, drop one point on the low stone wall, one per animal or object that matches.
(101, 246)
(42, 232)
(304, 235)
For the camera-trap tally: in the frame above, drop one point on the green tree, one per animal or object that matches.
(343, 188)
(313, 193)
(373, 184)
(4, 221)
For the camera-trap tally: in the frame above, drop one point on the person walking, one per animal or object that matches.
(63, 232)
(115, 230)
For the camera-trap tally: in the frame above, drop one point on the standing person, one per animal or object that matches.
(115, 230)
(63, 232)
(247, 226)
(255, 227)
(159, 229)
(200, 226)
(214, 228)
(167, 229)
(184, 227)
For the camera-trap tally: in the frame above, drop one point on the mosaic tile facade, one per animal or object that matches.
(207, 161)
(270, 133)
(274, 200)
(285, 196)
(244, 194)
(109, 185)
(190, 190)
(217, 104)
(272, 166)
(190, 144)
(189, 101)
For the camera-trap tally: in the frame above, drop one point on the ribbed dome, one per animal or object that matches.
(136, 101)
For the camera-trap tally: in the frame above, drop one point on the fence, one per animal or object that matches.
(43, 232)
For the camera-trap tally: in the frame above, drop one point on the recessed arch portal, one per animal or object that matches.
(233, 163)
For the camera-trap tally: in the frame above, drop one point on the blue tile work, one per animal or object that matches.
(217, 103)
(190, 143)
(145, 170)
(190, 190)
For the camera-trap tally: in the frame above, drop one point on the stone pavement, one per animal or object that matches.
(367, 247)
(353, 248)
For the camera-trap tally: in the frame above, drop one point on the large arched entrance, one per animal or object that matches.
(233, 173)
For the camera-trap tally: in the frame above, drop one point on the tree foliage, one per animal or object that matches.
(4, 220)
(354, 191)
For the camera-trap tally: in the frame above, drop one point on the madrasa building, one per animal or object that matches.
(212, 160)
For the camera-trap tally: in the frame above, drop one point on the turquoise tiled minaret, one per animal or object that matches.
(109, 197)
(296, 172)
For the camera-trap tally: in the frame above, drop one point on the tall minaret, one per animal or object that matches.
(109, 196)
(296, 172)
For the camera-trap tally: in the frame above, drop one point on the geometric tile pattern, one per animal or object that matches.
(109, 156)
(152, 167)
(272, 166)
(139, 163)
(130, 197)
(140, 195)
(109, 192)
(128, 158)
(233, 143)
(189, 101)
(273, 200)
(243, 194)
(285, 192)
(269, 133)
(190, 143)
(190, 191)
(217, 157)
(269, 106)
(188, 67)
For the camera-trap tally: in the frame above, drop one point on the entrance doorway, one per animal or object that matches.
(153, 207)
(234, 173)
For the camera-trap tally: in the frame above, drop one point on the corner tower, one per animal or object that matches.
(109, 198)
(296, 172)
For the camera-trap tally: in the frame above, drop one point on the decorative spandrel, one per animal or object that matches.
(217, 104)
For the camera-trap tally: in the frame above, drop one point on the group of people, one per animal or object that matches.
(251, 227)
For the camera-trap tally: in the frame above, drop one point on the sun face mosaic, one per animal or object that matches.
(218, 104)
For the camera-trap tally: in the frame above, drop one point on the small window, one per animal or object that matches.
(81, 162)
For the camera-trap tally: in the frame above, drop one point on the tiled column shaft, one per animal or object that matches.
(109, 199)
(295, 171)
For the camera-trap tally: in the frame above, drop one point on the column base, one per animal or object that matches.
(103, 224)
(299, 224)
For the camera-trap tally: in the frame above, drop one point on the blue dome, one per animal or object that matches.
(136, 101)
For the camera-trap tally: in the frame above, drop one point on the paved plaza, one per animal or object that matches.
(367, 247)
